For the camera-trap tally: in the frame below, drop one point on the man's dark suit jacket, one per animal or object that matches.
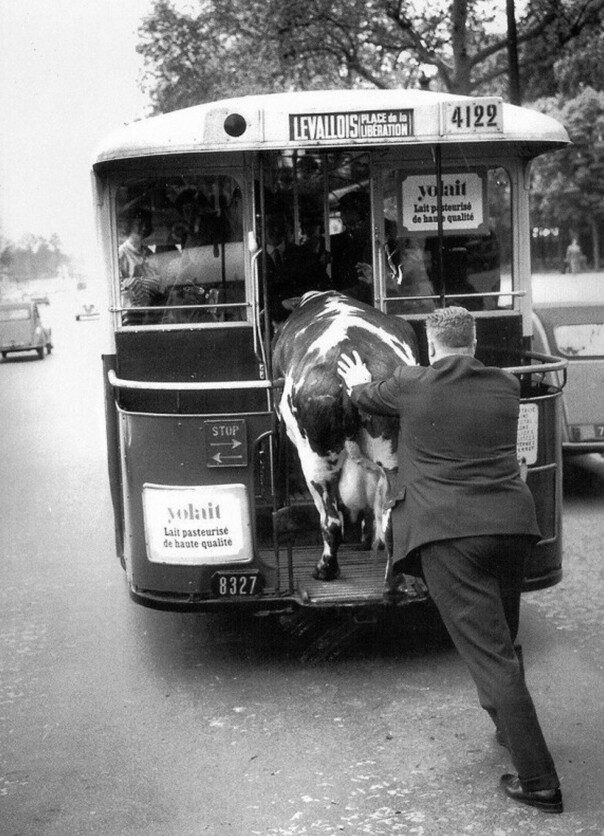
(458, 471)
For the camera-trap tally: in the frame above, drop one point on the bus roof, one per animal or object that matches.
(337, 118)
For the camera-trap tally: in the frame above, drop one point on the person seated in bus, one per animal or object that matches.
(456, 270)
(140, 283)
(291, 270)
(351, 251)
(407, 275)
(191, 295)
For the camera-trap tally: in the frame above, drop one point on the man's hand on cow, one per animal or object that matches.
(353, 371)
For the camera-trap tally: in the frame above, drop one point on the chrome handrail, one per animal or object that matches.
(175, 386)
(548, 364)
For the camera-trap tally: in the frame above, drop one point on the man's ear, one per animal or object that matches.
(431, 349)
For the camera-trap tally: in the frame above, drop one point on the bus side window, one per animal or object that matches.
(181, 245)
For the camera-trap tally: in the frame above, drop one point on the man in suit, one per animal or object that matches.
(466, 517)
(290, 270)
(351, 256)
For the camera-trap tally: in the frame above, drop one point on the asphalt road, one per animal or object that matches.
(115, 719)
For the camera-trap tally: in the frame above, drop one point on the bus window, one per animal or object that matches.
(477, 240)
(323, 204)
(180, 249)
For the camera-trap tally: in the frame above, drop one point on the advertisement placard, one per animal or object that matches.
(463, 202)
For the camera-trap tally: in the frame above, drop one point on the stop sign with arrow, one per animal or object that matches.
(226, 443)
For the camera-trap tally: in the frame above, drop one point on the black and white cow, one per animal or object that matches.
(345, 456)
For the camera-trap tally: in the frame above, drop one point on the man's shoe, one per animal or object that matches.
(550, 801)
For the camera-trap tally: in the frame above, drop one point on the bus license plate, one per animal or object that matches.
(237, 584)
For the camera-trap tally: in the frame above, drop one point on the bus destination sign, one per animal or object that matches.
(364, 124)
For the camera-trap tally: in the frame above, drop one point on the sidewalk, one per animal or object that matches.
(569, 287)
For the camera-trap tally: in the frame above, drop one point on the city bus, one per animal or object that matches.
(210, 508)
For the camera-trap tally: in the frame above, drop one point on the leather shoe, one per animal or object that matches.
(549, 801)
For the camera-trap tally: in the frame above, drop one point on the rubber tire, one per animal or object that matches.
(40, 351)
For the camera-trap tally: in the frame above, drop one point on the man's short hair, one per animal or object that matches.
(452, 327)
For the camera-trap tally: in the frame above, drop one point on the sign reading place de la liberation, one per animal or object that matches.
(366, 124)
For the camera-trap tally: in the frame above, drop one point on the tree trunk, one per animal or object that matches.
(595, 241)
(514, 71)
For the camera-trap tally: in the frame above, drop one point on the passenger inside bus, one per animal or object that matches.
(471, 264)
(291, 270)
(182, 246)
(407, 274)
(139, 280)
(351, 253)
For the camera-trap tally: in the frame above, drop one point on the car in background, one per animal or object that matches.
(22, 329)
(86, 309)
(568, 322)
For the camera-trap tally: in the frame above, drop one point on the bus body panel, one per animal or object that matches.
(173, 386)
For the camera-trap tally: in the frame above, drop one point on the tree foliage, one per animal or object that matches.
(568, 186)
(34, 257)
(233, 47)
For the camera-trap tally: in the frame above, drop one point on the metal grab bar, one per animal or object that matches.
(456, 295)
(202, 386)
(205, 305)
(548, 364)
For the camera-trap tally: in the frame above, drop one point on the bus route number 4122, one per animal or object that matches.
(482, 116)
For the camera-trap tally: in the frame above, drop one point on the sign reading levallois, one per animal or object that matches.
(365, 124)
(463, 201)
(197, 525)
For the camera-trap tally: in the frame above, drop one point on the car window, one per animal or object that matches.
(12, 314)
(580, 340)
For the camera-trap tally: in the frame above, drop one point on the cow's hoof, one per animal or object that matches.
(326, 573)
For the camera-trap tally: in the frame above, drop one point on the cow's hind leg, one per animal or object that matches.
(325, 496)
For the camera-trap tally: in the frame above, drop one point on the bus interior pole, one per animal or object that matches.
(439, 221)
(267, 322)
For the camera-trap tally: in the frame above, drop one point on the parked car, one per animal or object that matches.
(568, 321)
(22, 329)
(86, 309)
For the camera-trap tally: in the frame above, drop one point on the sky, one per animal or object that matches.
(69, 74)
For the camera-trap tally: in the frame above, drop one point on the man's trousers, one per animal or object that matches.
(475, 583)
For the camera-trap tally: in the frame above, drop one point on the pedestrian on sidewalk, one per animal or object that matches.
(465, 519)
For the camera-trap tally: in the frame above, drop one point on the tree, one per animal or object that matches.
(568, 186)
(565, 56)
(245, 46)
(34, 257)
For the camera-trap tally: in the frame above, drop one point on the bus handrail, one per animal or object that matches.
(548, 364)
(175, 386)
(433, 297)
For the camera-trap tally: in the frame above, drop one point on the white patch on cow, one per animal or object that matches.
(316, 469)
(379, 449)
(345, 315)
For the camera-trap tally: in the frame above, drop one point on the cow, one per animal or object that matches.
(345, 456)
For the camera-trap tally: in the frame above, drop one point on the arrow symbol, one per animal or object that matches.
(220, 457)
(232, 443)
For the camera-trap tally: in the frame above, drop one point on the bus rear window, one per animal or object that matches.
(180, 250)
(13, 314)
(476, 242)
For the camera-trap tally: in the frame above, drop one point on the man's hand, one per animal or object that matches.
(353, 371)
